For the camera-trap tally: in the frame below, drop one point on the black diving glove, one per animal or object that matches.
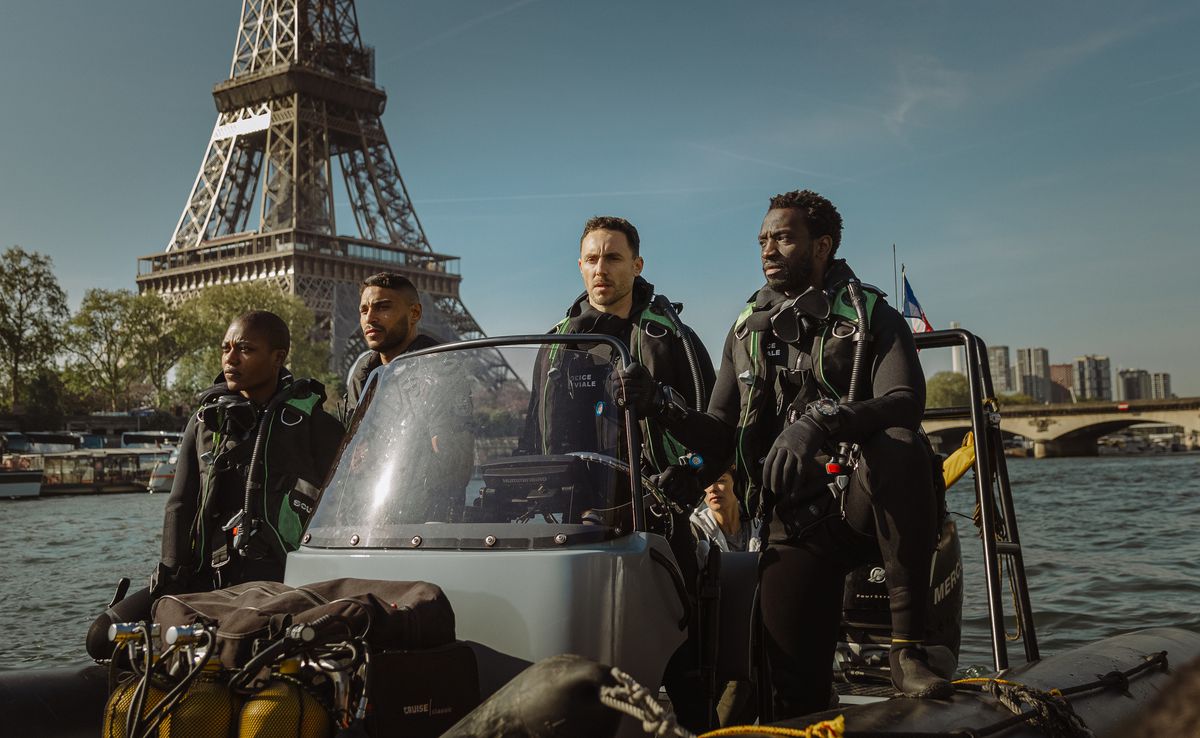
(635, 388)
(790, 465)
(169, 580)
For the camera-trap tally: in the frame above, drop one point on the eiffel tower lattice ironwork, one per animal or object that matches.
(299, 109)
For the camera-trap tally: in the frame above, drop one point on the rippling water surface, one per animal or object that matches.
(1111, 544)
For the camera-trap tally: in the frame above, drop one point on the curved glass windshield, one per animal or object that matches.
(450, 450)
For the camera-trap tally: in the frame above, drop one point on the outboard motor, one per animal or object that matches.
(867, 617)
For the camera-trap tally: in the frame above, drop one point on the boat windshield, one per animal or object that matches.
(449, 450)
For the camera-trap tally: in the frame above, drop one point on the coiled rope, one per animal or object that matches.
(639, 703)
(1050, 710)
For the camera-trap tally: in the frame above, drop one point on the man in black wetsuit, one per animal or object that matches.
(211, 539)
(618, 302)
(389, 311)
(780, 409)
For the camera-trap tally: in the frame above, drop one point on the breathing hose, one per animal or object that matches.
(860, 339)
(842, 478)
(241, 536)
(689, 350)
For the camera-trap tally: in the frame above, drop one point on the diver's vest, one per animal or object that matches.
(662, 449)
(287, 495)
(833, 356)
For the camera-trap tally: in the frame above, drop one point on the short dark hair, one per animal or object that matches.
(613, 223)
(820, 216)
(392, 281)
(268, 325)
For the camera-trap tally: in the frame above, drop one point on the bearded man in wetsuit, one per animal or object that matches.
(780, 408)
(389, 312)
(618, 302)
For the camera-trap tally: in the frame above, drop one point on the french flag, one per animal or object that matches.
(912, 309)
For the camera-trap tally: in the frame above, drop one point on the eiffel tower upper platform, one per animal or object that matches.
(299, 110)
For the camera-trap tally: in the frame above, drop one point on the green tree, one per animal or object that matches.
(947, 389)
(206, 316)
(101, 337)
(158, 343)
(32, 309)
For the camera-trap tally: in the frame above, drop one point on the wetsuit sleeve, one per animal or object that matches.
(897, 383)
(181, 505)
(712, 433)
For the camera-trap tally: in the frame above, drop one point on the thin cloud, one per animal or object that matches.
(460, 28)
(923, 81)
(762, 162)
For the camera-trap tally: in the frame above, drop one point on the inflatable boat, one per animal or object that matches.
(544, 540)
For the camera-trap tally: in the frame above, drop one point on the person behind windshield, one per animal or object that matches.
(783, 401)
(389, 313)
(616, 302)
(720, 520)
(205, 511)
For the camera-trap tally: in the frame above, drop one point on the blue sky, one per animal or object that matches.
(1035, 164)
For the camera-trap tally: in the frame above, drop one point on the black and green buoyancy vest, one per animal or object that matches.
(661, 448)
(276, 505)
(832, 359)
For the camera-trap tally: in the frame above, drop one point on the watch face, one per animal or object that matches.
(825, 406)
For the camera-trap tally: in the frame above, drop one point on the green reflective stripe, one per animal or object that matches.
(821, 366)
(743, 316)
(744, 468)
(265, 486)
(649, 316)
(304, 404)
(843, 309)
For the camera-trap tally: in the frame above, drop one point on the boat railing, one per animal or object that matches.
(993, 493)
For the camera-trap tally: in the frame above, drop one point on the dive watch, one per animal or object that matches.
(823, 411)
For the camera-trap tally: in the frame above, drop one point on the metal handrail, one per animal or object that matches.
(991, 477)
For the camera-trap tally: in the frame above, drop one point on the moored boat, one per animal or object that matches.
(17, 483)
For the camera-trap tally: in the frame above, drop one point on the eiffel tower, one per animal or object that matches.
(299, 109)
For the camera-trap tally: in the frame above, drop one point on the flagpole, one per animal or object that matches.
(895, 279)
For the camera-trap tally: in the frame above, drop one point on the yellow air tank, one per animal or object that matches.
(116, 710)
(207, 710)
(283, 709)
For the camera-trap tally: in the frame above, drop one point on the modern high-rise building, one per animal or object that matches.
(1134, 384)
(958, 361)
(1062, 380)
(1000, 368)
(1160, 385)
(1033, 373)
(1093, 378)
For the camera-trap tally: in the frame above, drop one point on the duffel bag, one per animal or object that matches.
(387, 614)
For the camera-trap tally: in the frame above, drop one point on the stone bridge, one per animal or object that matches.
(1072, 430)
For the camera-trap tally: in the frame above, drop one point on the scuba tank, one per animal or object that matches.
(207, 709)
(118, 707)
(284, 708)
(133, 700)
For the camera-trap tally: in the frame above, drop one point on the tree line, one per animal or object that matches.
(121, 350)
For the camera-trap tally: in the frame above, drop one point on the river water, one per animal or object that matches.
(1111, 544)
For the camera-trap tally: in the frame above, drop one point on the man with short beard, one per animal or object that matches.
(618, 302)
(389, 311)
(780, 407)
